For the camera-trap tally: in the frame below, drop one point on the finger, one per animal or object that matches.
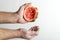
(21, 9)
(34, 33)
(35, 28)
(25, 5)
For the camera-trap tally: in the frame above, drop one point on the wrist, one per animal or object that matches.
(17, 33)
(20, 18)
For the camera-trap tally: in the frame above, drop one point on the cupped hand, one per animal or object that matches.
(21, 12)
(28, 34)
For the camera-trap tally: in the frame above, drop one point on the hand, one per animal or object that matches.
(28, 34)
(19, 33)
(21, 11)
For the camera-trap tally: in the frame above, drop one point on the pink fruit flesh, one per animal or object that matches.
(30, 13)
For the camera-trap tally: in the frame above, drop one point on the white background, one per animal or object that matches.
(48, 18)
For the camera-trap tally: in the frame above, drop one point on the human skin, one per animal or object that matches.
(18, 33)
(14, 17)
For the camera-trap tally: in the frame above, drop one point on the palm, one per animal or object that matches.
(28, 34)
(20, 13)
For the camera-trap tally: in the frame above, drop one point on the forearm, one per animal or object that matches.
(7, 33)
(8, 17)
